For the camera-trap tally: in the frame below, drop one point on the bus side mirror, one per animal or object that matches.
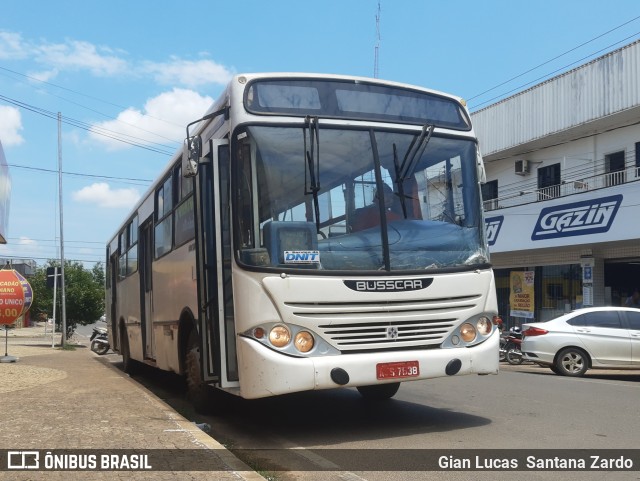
(191, 154)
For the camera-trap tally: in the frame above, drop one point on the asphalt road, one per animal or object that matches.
(523, 408)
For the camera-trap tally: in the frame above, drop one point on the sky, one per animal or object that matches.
(127, 76)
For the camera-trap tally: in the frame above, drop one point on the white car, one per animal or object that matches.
(589, 338)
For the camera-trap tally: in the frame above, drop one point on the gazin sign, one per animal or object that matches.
(13, 293)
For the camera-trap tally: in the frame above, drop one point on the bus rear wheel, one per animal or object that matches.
(129, 365)
(197, 391)
(379, 392)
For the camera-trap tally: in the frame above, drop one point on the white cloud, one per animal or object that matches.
(10, 126)
(188, 72)
(70, 55)
(12, 46)
(25, 241)
(101, 194)
(45, 75)
(24, 247)
(180, 105)
(104, 61)
(77, 55)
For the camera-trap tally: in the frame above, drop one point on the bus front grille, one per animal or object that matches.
(384, 325)
(386, 334)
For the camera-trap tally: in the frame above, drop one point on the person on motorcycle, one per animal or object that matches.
(515, 331)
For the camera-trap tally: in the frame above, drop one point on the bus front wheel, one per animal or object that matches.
(196, 389)
(379, 392)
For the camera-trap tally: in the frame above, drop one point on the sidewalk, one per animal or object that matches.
(54, 399)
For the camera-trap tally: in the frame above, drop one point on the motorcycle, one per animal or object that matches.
(100, 341)
(510, 347)
(514, 352)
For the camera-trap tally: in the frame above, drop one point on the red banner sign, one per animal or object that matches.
(12, 296)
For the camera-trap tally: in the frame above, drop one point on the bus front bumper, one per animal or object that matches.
(265, 372)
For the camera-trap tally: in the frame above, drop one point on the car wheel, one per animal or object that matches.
(572, 362)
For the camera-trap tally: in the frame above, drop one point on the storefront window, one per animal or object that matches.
(556, 290)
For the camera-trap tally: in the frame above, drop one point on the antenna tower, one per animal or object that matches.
(377, 47)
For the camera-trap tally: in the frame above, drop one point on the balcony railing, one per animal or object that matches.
(567, 187)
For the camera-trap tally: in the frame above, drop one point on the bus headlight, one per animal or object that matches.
(303, 341)
(467, 332)
(279, 336)
(484, 326)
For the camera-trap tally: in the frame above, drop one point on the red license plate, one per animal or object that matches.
(397, 370)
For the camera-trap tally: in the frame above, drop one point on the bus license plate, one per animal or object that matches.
(397, 370)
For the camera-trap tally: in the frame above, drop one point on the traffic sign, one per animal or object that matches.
(54, 274)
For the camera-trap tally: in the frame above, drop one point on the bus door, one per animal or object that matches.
(113, 273)
(145, 256)
(215, 295)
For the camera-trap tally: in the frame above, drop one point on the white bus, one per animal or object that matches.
(316, 232)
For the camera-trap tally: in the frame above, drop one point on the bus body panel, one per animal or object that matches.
(265, 372)
(174, 282)
(128, 312)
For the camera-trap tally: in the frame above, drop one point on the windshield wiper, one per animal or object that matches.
(403, 171)
(399, 184)
(312, 163)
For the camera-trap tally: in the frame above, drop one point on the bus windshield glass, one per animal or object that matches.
(324, 198)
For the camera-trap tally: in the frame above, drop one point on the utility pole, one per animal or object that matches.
(62, 290)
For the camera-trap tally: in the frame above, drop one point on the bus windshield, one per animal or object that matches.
(326, 198)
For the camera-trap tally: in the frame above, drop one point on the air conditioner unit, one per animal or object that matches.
(522, 167)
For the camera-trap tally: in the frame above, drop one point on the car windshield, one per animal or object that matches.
(359, 200)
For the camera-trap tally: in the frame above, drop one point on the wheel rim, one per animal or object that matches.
(572, 362)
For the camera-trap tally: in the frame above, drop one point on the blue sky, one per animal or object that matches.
(140, 71)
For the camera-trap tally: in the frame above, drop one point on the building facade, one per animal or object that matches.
(562, 198)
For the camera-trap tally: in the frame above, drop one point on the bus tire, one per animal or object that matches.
(197, 391)
(130, 366)
(379, 392)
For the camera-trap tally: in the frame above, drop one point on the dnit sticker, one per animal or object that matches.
(302, 257)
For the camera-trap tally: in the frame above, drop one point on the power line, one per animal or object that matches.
(554, 58)
(545, 76)
(34, 79)
(56, 240)
(125, 180)
(48, 258)
(124, 138)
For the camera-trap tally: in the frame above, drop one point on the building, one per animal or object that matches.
(25, 267)
(562, 198)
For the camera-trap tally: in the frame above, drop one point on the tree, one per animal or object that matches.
(84, 294)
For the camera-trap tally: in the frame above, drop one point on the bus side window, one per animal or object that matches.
(164, 219)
